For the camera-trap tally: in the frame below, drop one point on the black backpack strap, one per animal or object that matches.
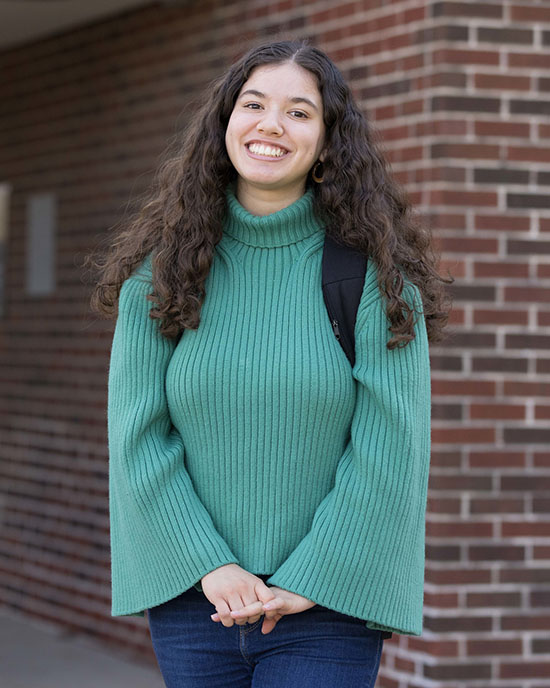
(343, 277)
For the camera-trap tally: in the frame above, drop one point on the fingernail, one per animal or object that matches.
(268, 606)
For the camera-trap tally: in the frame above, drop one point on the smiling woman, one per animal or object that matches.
(267, 497)
(272, 143)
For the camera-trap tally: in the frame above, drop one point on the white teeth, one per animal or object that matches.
(260, 149)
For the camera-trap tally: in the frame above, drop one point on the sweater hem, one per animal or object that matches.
(139, 609)
(377, 624)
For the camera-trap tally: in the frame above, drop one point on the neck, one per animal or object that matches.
(266, 201)
(291, 224)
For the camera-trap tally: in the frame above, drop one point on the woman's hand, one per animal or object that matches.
(284, 602)
(231, 588)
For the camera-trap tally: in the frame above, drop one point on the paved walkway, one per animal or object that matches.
(35, 656)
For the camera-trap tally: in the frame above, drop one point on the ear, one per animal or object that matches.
(322, 155)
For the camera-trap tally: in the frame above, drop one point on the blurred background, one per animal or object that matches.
(92, 93)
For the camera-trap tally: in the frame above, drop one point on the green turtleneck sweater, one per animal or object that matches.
(253, 441)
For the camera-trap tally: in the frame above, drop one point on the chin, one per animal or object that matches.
(263, 183)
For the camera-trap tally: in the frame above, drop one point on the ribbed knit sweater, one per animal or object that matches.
(253, 441)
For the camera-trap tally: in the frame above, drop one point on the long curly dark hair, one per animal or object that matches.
(181, 217)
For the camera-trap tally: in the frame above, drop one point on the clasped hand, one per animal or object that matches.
(240, 597)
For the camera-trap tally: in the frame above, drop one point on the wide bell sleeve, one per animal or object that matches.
(364, 554)
(163, 540)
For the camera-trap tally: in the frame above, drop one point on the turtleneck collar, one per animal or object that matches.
(287, 226)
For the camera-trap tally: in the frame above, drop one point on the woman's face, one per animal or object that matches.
(276, 131)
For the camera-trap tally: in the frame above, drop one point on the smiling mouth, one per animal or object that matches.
(259, 149)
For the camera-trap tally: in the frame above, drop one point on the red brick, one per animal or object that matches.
(500, 128)
(469, 245)
(502, 82)
(463, 387)
(465, 151)
(464, 57)
(524, 670)
(435, 647)
(529, 13)
(502, 411)
(483, 459)
(502, 223)
(542, 412)
(488, 316)
(500, 646)
(541, 458)
(456, 317)
(456, 529)
(508, 269)
(500, 505)
(527, 294)
(465, 198)
(474, 434)
(525, 529)
(520, 388)
(459, 576)
(529, 60)
(528, 153)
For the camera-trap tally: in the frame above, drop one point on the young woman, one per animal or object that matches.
(267, 498)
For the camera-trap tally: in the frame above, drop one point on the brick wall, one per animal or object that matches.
(460, 94)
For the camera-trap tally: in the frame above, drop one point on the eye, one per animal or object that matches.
(253, 106)
(300, 114)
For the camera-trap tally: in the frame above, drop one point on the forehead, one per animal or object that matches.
(288, 79)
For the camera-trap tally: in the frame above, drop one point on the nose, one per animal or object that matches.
(270, 123)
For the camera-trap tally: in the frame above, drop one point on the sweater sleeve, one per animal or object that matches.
(163, 540)
(364, 553)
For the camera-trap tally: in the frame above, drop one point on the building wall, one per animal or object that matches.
(460, 95)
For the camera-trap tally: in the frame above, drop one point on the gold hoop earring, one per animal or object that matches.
(315, 172)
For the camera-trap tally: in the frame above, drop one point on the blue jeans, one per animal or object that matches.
(317, 648)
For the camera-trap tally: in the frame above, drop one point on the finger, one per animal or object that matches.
(265, 595)
(269, 624)
(253, 604)
(224, 613)
(271, 614)
(235, 602)
(225, 607)
(251, 619)
(250, 614)
(276, 604)
(249, 610)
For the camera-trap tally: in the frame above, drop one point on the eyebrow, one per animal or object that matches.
(295, 99)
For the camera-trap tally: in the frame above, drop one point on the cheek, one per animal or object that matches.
(234, 133)
(315, 148)
(228, 134)
(320, 141)
(230, 141)
(313, 143)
